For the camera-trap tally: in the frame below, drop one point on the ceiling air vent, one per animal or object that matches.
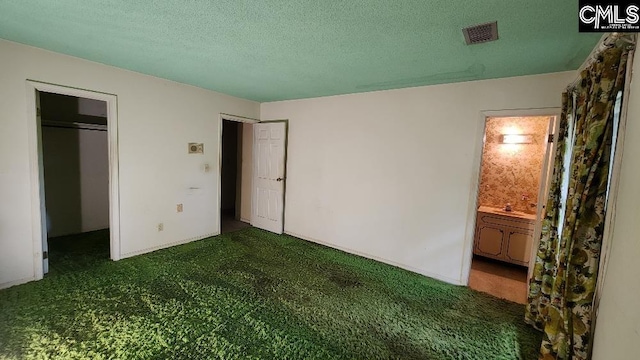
(481, 33)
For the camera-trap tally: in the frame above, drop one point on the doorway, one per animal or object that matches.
(513, 182)
(74, 162)
(235, 174)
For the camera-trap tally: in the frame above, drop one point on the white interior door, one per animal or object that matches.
(267, 210)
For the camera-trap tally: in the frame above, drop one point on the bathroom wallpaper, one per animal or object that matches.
(511, 170)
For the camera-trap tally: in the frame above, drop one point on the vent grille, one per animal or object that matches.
(481, 33)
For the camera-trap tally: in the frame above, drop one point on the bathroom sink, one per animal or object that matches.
(498, 211)
(511, 212)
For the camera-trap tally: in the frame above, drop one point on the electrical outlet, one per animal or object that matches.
(179, 207)
(160, 226)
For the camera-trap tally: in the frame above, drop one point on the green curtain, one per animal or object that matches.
(560, 299)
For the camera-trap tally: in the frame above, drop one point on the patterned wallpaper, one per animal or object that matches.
(511, 170)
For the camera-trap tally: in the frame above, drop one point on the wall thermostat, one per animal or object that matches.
(196, 148)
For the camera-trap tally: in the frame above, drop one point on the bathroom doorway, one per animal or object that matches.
(513, 182)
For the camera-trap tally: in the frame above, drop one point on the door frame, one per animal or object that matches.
(545, 183)
(472, 211)
(38, 204)
(221, 118)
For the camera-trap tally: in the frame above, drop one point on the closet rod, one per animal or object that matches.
(75, 126)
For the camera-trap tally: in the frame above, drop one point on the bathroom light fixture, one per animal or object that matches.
(516, 139)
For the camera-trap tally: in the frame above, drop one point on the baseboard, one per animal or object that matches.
(76, 233)
(17, 282)
(167, 245)
(377, 258)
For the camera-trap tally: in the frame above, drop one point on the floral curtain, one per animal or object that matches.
(560, 299)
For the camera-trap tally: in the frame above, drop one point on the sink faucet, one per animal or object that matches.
(528, 206)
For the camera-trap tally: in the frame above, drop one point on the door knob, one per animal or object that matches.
(279, 179)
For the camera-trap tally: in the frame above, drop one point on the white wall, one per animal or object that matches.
(92, 107)
(157, 118)
(76, 165)
(94, 179)
(617, 334)
(390, 174)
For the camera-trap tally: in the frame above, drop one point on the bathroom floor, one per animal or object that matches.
(499, 279)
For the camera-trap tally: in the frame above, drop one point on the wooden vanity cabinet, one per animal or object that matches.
(504, 237)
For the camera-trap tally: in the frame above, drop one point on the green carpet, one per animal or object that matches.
(249, 295)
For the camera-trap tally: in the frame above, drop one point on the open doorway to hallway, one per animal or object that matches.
(235, 179)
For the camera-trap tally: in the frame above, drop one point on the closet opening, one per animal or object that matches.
(75, 173)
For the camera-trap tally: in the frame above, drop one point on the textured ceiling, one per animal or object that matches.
(269, 50)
